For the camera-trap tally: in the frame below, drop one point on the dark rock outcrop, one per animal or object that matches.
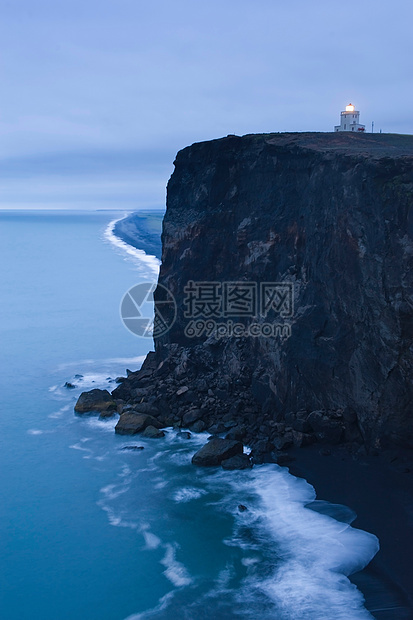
(216, 451)
(133, 423)
(137, 384)
(95, 400)
(239, 461)
(109, 413)
(152, 433)
(146, 408)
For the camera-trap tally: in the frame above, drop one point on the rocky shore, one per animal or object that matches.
(181, 392)
(326, 218)
(377, 485)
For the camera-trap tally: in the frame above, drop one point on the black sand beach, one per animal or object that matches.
(142, 230)
(380, 490)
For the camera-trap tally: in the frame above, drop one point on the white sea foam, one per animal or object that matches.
(186, 494)
(151, 540)
(116, 519)
(337, 546)
(139, 257)
(60, 412)
(92, 380)
(160, 485)
(337, 511)
(107, 424)
(163, 604)
(178, 441)
(224, 577)
(125, 472)
(78, 446)
(175, 571)
(112, 491)
(80, 383)
(220, 589)
(87, 380)
(180, 458)
(83, 378)
(313, 552)
(250, 561)
(35, 431)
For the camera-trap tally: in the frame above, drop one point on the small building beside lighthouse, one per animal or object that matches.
(349, 120)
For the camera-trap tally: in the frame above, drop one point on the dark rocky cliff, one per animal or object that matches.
(329, 215)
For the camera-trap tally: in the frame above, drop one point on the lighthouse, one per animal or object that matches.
(349, 120)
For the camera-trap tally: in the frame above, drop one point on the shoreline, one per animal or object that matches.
(141, 230)
(377, 488)
(114, 235)
(381, 494)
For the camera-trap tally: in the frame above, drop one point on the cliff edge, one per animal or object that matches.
(330, 216)
(289, 257)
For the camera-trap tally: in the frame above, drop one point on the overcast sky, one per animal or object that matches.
(97, 96)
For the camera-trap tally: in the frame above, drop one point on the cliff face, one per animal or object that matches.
(330, 216)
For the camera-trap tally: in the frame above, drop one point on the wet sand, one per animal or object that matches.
(380, 490)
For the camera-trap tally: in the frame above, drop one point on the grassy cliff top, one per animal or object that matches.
(383, 145)
(370, 145)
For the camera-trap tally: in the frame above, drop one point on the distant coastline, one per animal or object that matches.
(119, 233)
(142, 230)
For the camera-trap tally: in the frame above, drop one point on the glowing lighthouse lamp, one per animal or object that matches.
(349, 120)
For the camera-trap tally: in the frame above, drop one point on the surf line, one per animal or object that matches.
(151, 261)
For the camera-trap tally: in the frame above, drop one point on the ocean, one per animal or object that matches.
(91, 531)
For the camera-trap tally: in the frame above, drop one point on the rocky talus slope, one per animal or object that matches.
(308, 232)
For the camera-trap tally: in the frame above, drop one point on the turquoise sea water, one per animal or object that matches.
(93, 532)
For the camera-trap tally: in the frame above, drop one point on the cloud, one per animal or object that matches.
(130, 75)
(86, 180)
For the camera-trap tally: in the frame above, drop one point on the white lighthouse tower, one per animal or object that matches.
(349, 120)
